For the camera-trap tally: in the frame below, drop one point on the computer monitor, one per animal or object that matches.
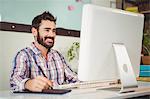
(101, 27)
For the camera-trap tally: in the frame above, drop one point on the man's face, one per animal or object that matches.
(46, 34)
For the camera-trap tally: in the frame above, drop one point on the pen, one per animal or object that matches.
(44, 75)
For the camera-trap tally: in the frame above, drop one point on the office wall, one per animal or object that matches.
(11, 42)
(23, 11)
(1, 72)
(0, 56)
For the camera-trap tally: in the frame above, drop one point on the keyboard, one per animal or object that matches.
(90, 84)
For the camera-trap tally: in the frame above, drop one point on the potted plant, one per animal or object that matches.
(146, 49)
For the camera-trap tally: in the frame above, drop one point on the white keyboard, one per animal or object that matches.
(91, 84)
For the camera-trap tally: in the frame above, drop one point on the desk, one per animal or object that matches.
(82, 94)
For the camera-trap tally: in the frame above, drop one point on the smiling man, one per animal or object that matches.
(38, 66)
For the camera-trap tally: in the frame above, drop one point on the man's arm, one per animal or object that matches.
(20, 71)
(20, 77)
(70, 75)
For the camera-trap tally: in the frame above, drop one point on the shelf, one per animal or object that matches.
(147, 79)
(145, 12)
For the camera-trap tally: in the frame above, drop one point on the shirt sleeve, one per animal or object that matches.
(70, 75)
(20, 72)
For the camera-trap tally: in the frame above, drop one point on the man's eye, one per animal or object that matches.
(54, 31)
(47, 30)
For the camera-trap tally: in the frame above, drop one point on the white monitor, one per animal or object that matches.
(101, 27)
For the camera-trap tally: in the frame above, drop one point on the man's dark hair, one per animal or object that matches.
(44, 16)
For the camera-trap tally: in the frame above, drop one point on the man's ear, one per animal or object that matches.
(34, 31)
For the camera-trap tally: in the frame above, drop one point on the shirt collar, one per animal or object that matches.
(35, 49)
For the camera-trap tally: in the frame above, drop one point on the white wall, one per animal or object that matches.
(0, 57)
(11, 42)
(1, 72)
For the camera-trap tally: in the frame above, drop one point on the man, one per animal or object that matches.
(39, 67)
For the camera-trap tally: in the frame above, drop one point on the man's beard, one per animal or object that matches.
(41, 40)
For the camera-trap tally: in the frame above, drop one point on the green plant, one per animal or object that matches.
(73, 51)
(146, 44)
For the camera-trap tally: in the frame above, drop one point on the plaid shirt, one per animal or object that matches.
(25, 66)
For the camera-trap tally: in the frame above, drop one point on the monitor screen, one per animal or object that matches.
(101, 27)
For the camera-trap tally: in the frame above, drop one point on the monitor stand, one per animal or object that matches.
(126, 73)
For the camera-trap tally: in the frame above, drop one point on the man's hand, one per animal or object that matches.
(38, 84)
